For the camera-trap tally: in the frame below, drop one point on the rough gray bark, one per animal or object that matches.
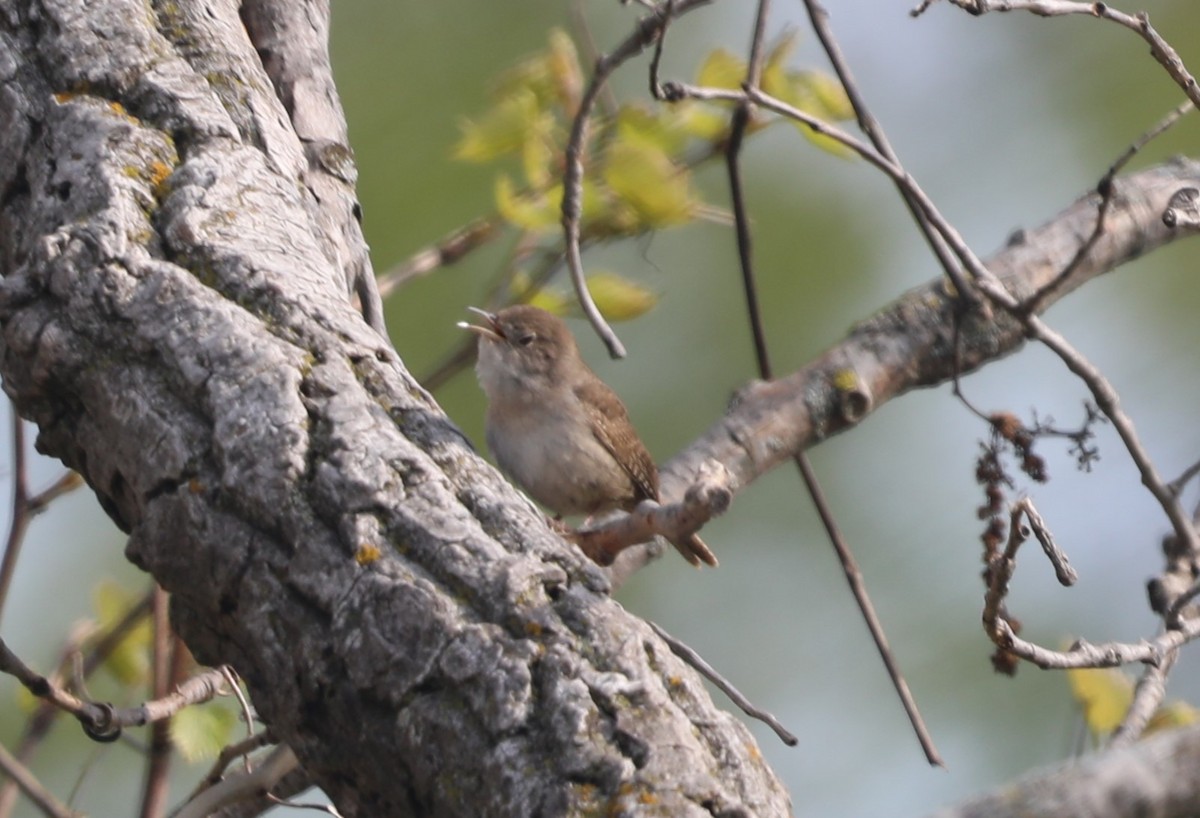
(175, 319)
(1154, 777)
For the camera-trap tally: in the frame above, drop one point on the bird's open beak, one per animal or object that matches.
(490, 329)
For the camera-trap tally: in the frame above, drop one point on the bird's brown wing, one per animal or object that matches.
(611, 426)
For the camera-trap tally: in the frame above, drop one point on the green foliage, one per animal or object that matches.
(638, 160)
(200, 731)
(511, 124)
(129, 661)
(1105, 695)
(617, 297)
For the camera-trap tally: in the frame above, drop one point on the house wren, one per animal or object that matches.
(555, 428)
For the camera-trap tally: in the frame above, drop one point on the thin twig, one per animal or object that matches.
(24, 506)
(572, 209)
(232, 679)
(229, 753)
(859, 589)
(1138, 23)
(167, 669)
(20, 507)
(583, 33)
(656, 89)
(24, 779)
(706, 670)
(37, 726)
(819, 19)
(649, 28)
(446, 251)
(1001, 568)
(1108, 654)
(1156, 652)
(1107, 401)
(741, 118)
(102, 721)
(1182, 480)
(1105, 189)
(1149, 693)
(1063, 571)
(43, 688)
(278, 763)
(741, 218)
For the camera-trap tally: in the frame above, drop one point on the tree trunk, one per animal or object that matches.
(180, 245)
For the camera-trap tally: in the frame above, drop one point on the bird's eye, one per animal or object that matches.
(526, 339)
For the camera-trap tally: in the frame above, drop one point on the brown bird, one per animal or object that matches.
(555, 428)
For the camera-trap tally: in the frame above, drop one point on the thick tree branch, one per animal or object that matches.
(1156, 776)
(911, 342)
(292, 40)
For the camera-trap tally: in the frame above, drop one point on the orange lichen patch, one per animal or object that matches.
(159, 171)
(367, 554)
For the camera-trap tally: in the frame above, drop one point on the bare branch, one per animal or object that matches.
(769, 422)
(648, 30)
(447, 251)
(1105, 190)
(874, 131)
(1139, 23)
(33, 789)
(709, 496)
(725, 686)
(102, 721)
(265, 775)
(1149, 693)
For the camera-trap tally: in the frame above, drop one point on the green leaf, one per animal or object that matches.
(551, 301)
(563, 62)
(129, 660)
(553, 76)
(820, 95)
(702, 120)
(200, 731)
(538, 156)
(775, 68)
(26, 701)
(659, 129)
(504, 128)
(1170, 715)
(1104, 694)
(648, 181)
(537, 212)
(619, 298)
(722, 69)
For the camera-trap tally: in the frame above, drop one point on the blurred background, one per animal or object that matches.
(1004, 120)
